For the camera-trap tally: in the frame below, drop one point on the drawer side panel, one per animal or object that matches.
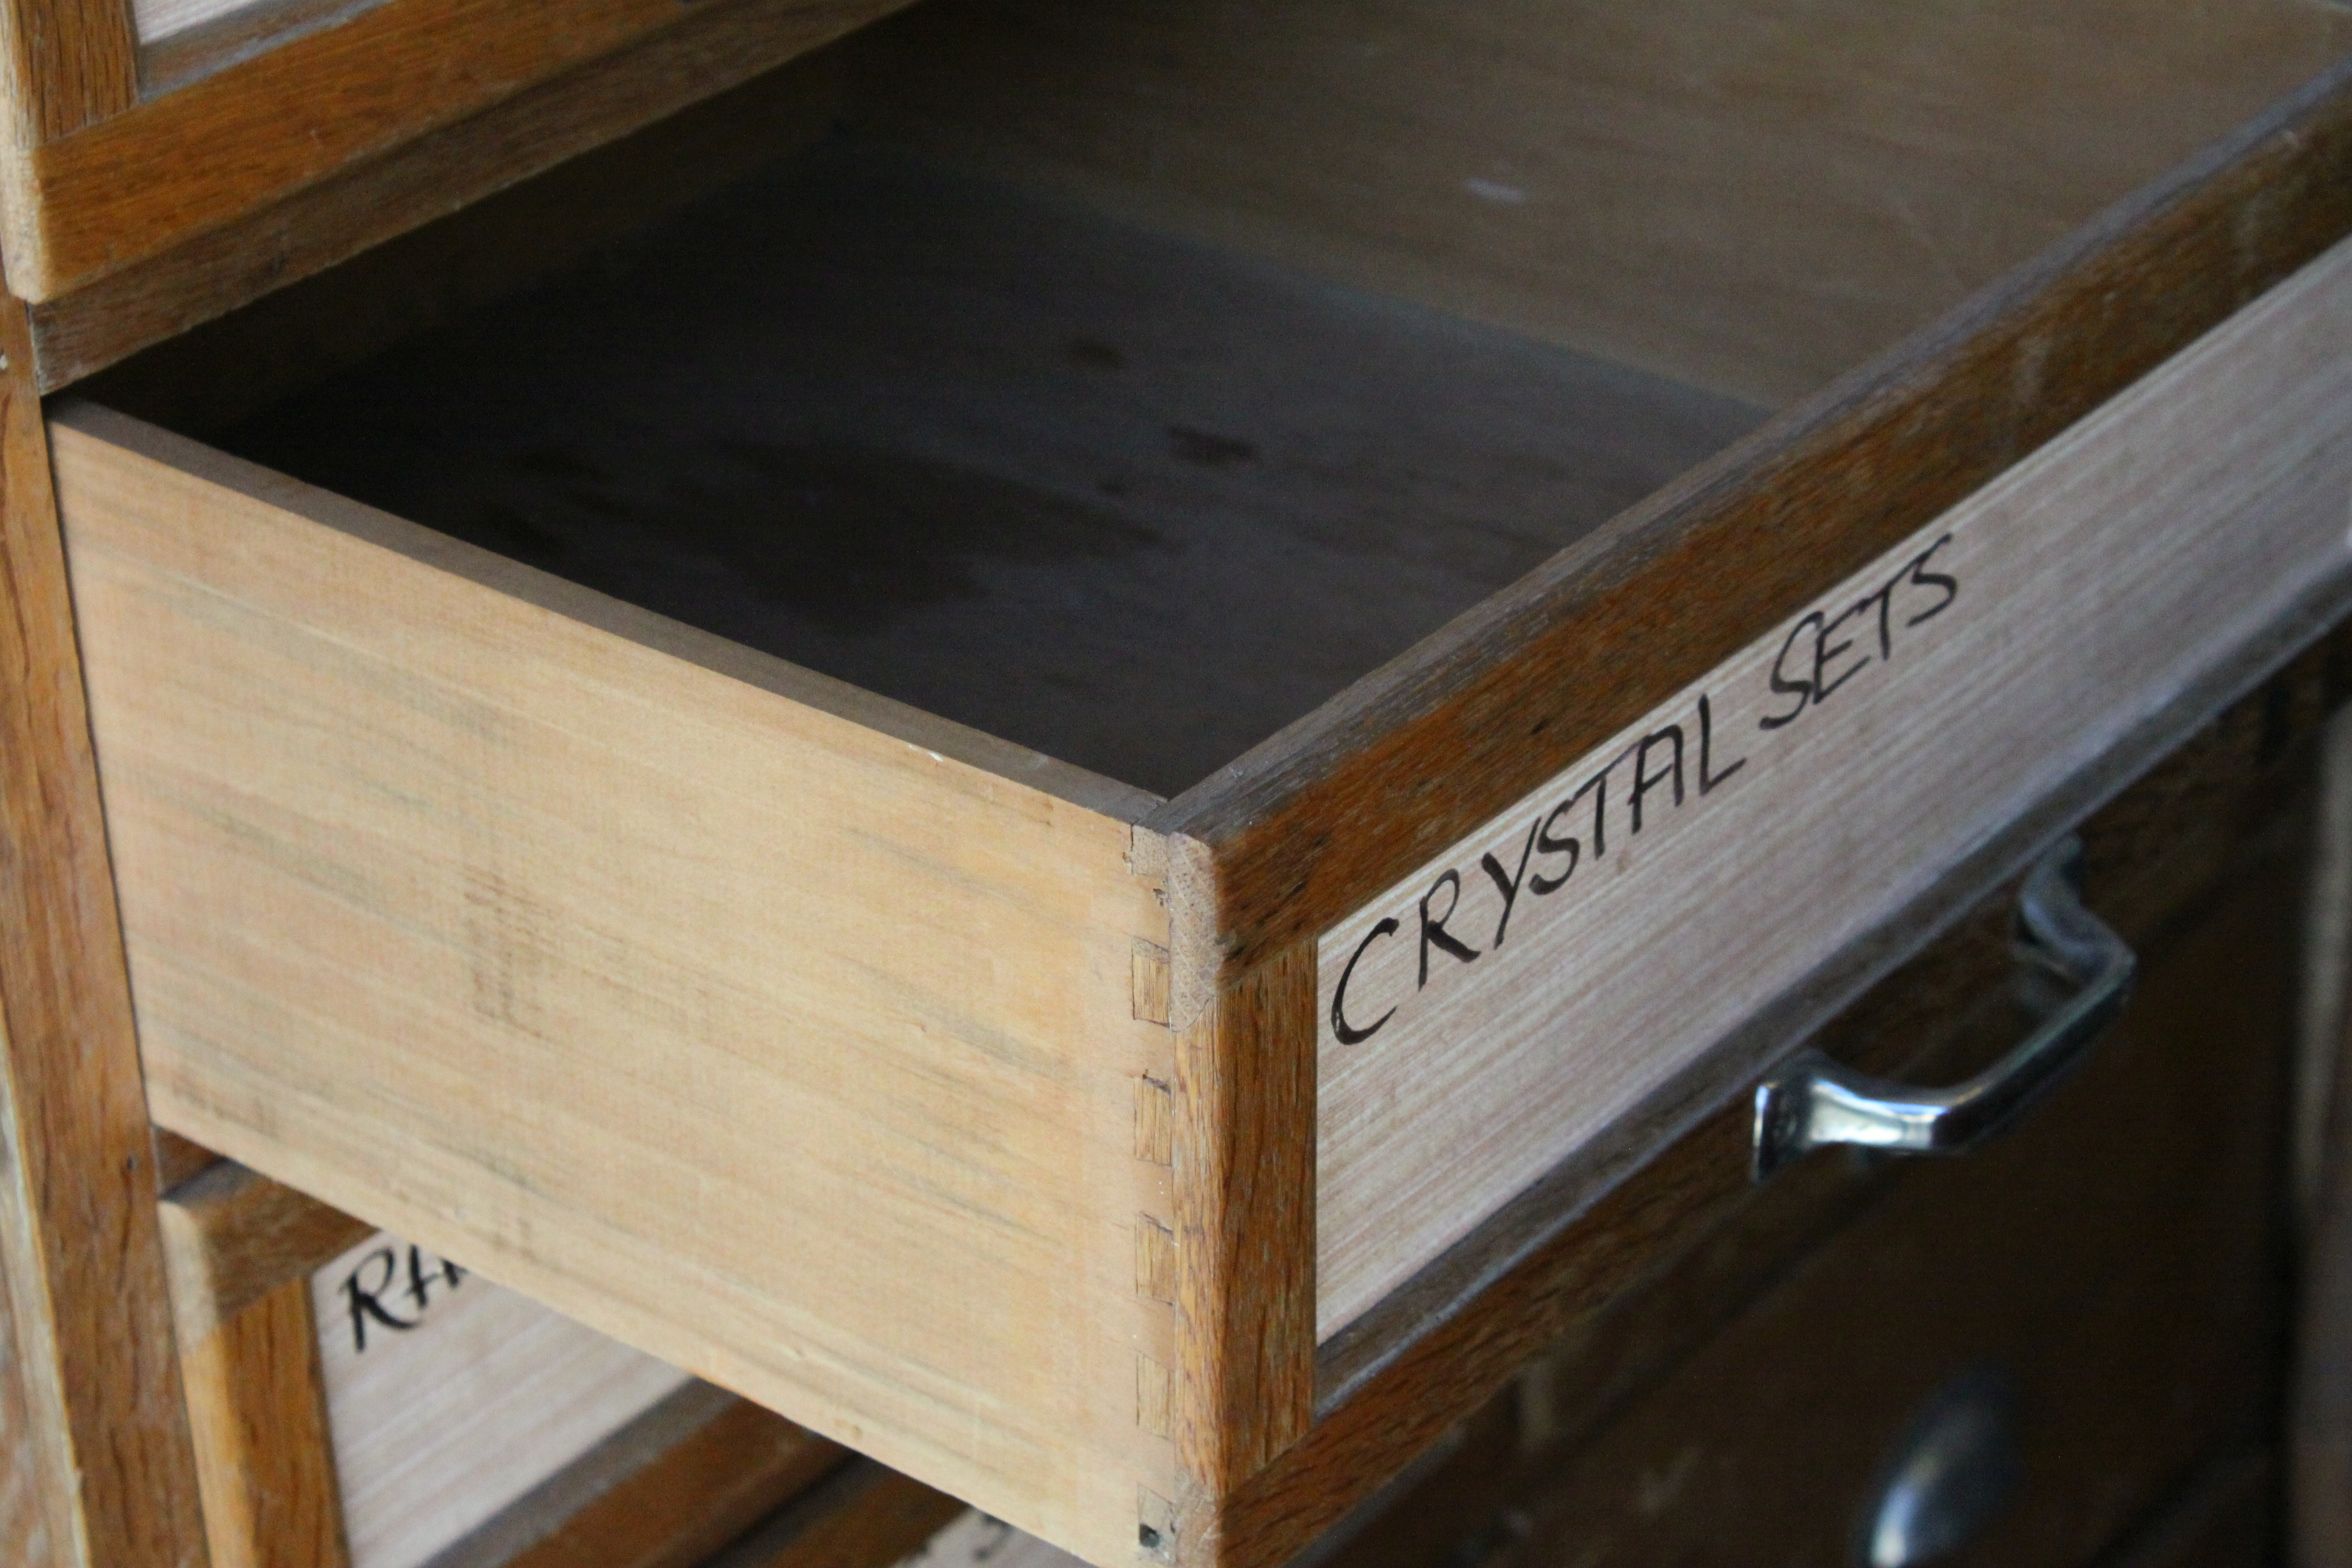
(621, 966)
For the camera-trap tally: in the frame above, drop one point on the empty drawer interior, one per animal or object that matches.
(1126, 381)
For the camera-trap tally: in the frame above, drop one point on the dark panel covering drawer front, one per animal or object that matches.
(2107, 1285)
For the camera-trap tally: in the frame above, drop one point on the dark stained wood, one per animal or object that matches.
(1749, 195)
(2118, 1259)
(79, 1238)
(234, 1237)
(303, 328)
(1245, 1236)
(2225, 1517)
(223, 147)
(862, 1516)
(265, 1458)
(2151, 856)
(1125, 500)
(71, 63)
(686, 1478)
(1306, 828)
(2319, 1436)
(162, 272)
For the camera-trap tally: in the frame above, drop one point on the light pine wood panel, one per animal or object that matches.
(1509, 999)
(779, 1031)
(1750, 195)
(79, 1239)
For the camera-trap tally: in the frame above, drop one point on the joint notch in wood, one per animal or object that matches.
(1151, 982)
(1155, 1259)
(1155, 1122)
(1152, 1393)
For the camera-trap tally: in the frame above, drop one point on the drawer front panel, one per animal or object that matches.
(449, 1397)
(1496, 1010)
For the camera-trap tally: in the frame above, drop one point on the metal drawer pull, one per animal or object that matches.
(1812, 1102)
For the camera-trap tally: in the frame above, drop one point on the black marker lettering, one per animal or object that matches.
(1782, 685)
(1348, 1035)
(1509, 886)
(1708, 777)
(1947, 584)
(367, 1301)
(1644, 780)
(1434, 933)
(1885, 600)
(1825, 651)
(1550, 844)
(422, 1278)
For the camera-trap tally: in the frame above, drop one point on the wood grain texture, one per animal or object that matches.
(2154, 852)
(258, 1414)
(450, 1398)
(304, 328)
(1749, 195)
(691, 1475)
(717, 1005)
(863, 1516)
(79, 1239)
(1245, 1245)
(976, 1541)
(230, 144)
(1306, 828)
(70, 64)
(232, 1237)
(426, 177)
(33, 1528)
(1595, 945)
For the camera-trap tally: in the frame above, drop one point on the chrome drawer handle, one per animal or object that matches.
(1812, 1102)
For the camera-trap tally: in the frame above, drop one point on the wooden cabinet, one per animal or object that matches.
(1117, 780)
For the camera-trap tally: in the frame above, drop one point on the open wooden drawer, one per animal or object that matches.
(1033, 801)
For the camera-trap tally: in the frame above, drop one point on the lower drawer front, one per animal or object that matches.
(386, 1408)
(2081, 1315)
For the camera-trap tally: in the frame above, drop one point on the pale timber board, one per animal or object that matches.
(480, 1397)
(2094, 581)
(775, 1030)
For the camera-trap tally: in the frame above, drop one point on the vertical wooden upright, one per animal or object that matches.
(107, 1450)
